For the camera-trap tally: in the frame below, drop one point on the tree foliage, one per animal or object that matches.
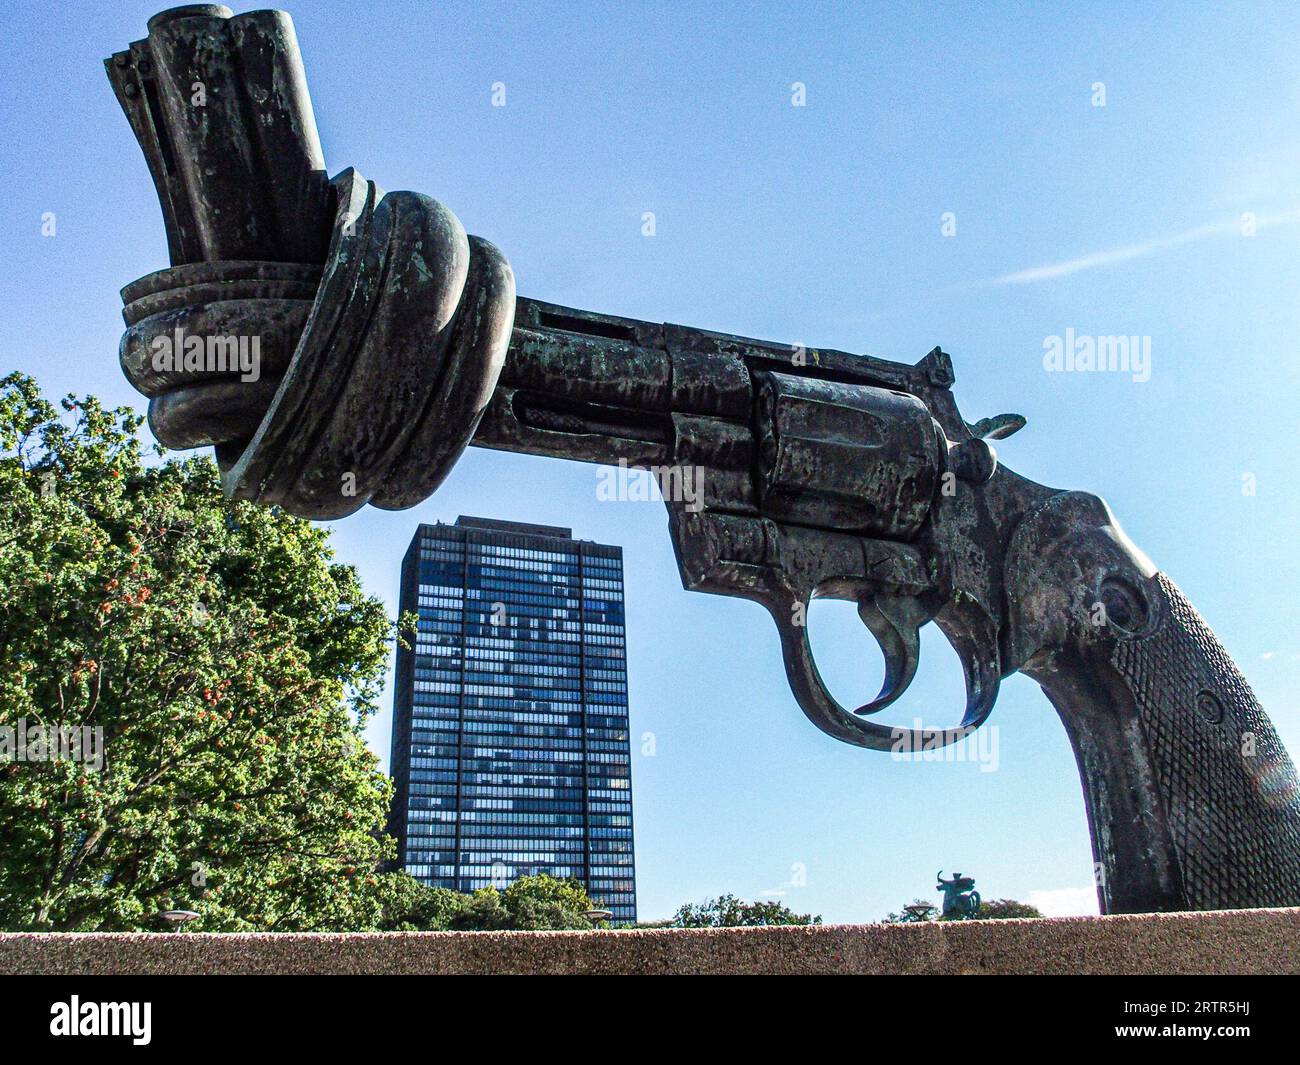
(531, 903)
(408, 905)
(230, 665)
(990, 910)
(1000, 909)
(728, 911)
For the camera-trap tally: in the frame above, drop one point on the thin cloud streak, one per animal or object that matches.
(1052, 271)
(1092, 261)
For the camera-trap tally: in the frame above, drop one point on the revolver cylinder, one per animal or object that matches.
(845, 456)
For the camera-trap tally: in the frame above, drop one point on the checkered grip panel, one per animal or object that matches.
(1227, 782)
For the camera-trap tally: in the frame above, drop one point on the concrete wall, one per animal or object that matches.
(1239, 941)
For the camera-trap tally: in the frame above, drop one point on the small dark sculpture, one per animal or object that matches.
(389, 340)
(960, 899)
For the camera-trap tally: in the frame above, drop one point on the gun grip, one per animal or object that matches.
(1192, 799)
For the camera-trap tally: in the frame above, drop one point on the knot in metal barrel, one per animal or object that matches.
(337, 345)
(326, 388)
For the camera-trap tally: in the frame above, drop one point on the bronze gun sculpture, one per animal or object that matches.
(389, 340)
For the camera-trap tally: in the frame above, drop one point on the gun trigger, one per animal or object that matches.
(895, 621)
(981, 690)
(973, 636)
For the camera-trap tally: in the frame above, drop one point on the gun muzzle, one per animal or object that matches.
(219, 104)
(337, 346)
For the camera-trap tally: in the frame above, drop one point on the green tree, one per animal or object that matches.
(531, 903)
(407, 905)
(990, 910)
(544, 902)
(483, 912)
(230, 666)
(727, 911)
(1000, 909)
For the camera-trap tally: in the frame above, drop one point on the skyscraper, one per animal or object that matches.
(510, 719)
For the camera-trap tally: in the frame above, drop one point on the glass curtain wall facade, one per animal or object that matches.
(510, 748)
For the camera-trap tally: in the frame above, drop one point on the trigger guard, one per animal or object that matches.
(825, 711)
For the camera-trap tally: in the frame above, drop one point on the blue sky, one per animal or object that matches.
(818, 224)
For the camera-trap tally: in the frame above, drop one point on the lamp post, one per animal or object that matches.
(177, 918)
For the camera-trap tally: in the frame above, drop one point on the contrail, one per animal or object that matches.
(1051, 271)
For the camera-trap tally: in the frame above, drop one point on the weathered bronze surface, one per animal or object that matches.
(390, 340)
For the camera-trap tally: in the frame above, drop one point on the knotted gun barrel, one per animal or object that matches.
(339, 346)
